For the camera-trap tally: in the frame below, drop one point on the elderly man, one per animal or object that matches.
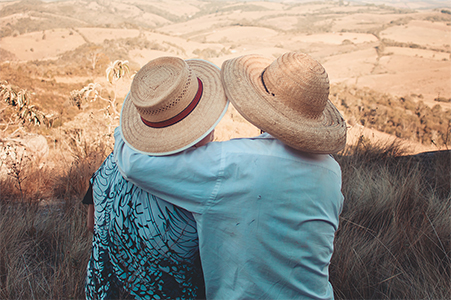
(267, 207)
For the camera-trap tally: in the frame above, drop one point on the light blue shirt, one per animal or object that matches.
(266, 214)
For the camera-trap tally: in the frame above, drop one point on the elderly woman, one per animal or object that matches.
(143, 246)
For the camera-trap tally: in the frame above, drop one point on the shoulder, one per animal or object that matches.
(270, 148)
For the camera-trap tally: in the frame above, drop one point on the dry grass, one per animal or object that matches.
(44, 251)
(393, 241)
(44, 242)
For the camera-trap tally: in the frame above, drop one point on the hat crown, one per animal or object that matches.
(163, 88)
(299, 82)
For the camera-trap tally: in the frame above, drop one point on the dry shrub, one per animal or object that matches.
(73, 180)
(25, 180)
(22, 178)
(394, 239)
(32, 185)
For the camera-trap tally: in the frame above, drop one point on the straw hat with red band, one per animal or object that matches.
(172, 105)
(288, 98)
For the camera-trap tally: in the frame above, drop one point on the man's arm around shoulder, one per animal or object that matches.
(186, 179)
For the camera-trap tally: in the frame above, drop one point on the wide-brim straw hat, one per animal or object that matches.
(288, 98)
(172, 105)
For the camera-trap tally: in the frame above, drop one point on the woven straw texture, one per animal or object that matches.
(288, 98)
(162, 89)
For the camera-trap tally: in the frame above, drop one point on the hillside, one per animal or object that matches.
(390, 72)
(372, 52)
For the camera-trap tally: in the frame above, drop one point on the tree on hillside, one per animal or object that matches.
(406, 117)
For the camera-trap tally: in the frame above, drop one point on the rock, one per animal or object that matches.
(35, 145)
(29, 147)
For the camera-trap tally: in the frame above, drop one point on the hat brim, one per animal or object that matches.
(187, 132)
(243, 86)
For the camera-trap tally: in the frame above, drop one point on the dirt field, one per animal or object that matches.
(399, 48)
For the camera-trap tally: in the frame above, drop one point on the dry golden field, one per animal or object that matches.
(399, 50)
(389, 64)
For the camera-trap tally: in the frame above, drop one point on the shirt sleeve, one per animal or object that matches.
(189, 179)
